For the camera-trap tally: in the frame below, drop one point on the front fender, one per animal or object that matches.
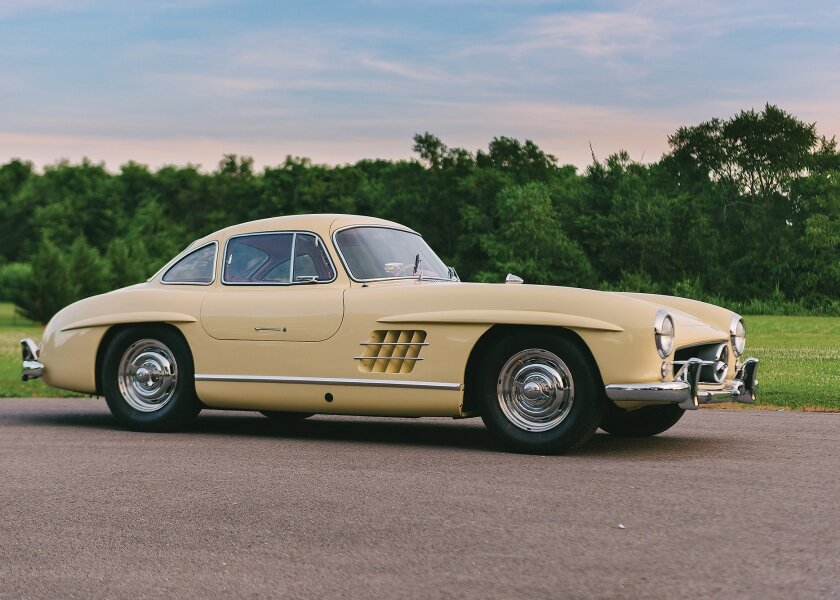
(505, 317)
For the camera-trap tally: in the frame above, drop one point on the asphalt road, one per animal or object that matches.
(728, 504)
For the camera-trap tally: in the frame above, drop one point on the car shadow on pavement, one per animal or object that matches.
(674, 446)
(465, 434)
(372, 430)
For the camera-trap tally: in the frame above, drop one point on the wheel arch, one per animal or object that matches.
(500, 331)
(112, 332)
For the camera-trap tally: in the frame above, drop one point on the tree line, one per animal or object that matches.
(743, 211)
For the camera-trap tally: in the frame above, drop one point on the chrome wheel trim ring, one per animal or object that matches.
(535, 390)
(147, 375)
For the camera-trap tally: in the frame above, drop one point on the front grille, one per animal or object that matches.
(391, 351)
(715, 359)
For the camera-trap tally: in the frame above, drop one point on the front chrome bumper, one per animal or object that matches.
(32, 367)
(686, 389)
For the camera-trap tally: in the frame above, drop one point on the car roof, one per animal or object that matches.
(322, 224)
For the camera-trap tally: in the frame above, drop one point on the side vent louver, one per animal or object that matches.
(391, 351)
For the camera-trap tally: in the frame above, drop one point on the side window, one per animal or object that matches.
(259, 259)
(243, 261)
(312, 263)
(195, 267)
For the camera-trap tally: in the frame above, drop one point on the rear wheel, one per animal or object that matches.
(540, 393)
(148, 379)
(642, 422)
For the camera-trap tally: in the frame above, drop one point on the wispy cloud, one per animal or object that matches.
(626, 32)
(402, 69)
(236, 86)
(596, 35)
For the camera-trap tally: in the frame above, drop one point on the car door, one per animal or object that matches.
(276, 286)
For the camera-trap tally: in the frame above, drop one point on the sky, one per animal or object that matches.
(187, 81)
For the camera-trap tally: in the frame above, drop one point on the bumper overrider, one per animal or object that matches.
(32, 367)
(687, 390)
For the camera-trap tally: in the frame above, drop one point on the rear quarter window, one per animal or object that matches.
(196, 267)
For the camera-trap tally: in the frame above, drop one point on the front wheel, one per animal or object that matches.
(148, 379)
(642, 422)
(541, 393)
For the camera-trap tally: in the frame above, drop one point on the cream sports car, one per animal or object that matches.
(338, 314)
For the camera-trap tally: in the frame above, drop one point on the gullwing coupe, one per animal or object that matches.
(338, 314)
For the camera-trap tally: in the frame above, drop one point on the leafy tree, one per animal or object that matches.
(430, 149)
(532, 242)
(49, 289)
(625, 222)
(16, 223)
(747, 170)
(59, 278)
(818, 251)
(73, 201)
(524, 162)
(752, 154)
(13, 276)
(128, 263)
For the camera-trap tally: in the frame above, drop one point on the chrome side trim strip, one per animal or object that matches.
(393, 343)
(396, 383)
(386, 358)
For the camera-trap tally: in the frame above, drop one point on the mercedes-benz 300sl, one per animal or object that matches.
(339, 314)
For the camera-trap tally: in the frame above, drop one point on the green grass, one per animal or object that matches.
(9, 319)
(800, 359)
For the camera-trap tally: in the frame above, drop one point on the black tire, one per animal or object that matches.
(151, 353)
(524, 360)
(281, 415)
(642, 422)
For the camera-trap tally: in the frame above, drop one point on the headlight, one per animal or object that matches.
(663, 330)
(737, 335)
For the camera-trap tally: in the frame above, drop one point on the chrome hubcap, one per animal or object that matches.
(535, 390)
(147, 375)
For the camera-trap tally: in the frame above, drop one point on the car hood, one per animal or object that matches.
(440, 301)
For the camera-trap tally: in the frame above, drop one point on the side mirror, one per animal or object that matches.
(511, 278)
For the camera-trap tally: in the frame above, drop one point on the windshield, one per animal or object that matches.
(382, 253)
